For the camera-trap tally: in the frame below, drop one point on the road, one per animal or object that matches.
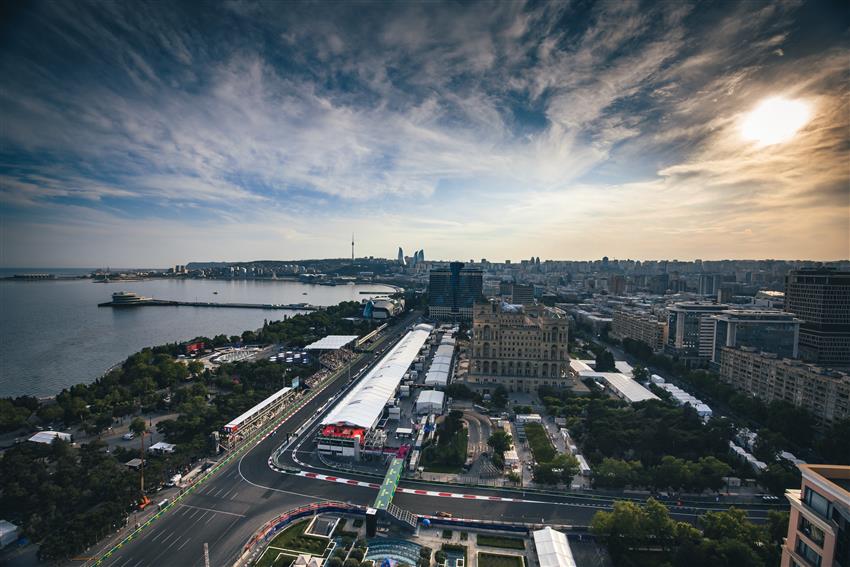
(246, 493)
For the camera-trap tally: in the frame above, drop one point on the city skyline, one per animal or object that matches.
(140, 135)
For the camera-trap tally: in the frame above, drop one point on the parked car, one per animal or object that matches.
(128, 436)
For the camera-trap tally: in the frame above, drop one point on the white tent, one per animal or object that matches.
(553, 549)
(364, 404)
(48, 437)
(430, 401)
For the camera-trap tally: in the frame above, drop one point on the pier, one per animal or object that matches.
(168, 303)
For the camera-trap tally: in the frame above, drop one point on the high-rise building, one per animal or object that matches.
(521, 347)
(453, 291)
(401, 256)
(639, 325)
(659, 283)
(821, 298)
(691, 330)
(522, 294)
(767, 330)
(506, 289)
(617, 284)
(709, 284)
(819, 520)
(823, 392)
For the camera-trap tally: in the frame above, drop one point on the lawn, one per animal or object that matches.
(539, 442)
(493, 560)
(293, 538)
(273, 557)
(499, 541)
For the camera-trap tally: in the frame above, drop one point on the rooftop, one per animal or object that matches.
(835, 477)
(331, 342)
(364, 404)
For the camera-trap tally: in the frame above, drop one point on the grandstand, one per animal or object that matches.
(256, 417)
(351, 426)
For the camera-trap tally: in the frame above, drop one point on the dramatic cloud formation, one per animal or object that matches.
(151, 134)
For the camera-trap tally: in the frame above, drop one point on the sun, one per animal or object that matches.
(774, 121)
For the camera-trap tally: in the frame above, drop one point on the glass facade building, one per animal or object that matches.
(453, 291)
(766, 330)
(821, 298)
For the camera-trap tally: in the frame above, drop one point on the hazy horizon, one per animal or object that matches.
(439, 260)
(152, 134)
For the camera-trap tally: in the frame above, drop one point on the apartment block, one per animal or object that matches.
(819, 521)
(823, 392)
(640, 326)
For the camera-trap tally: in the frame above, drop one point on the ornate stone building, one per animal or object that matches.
(520, 347)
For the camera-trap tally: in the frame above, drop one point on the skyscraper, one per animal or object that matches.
(401, 256)
(453, 291)
(821, 298)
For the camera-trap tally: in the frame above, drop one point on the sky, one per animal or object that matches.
(152, 134)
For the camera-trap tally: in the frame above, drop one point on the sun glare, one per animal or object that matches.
(774, 120)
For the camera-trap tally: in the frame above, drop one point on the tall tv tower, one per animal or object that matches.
(352, 248)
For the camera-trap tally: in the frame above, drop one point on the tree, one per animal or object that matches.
(617, 473)
(334, 562)
(500, 442)
(624, 526)
(565, 466)
(500, 397)
(671, 473)
(351, 562)
(708, 473)
(605, 361)
(835, 444)
(640, 373)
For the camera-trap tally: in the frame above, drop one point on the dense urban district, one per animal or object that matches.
(555, 413)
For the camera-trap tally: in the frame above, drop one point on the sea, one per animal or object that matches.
(53, 335)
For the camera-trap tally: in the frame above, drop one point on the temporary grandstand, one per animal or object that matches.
(331, 342)
(350, 427)
(257, 416)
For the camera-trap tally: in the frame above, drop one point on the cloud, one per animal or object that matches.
(508, 126)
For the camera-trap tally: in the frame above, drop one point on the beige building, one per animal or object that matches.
(640, 326)
(825, 393)
(521, 347)
(819, 521)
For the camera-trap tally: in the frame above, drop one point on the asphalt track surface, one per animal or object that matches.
(231, 505)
